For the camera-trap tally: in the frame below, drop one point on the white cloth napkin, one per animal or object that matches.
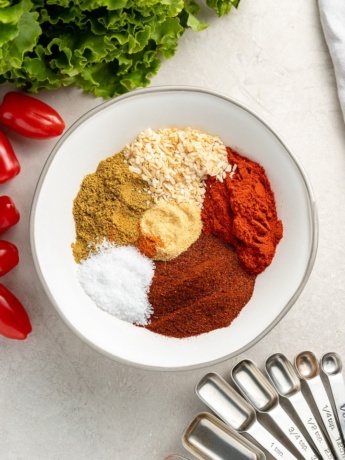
(332, 13)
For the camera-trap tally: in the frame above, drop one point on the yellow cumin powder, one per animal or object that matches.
(109, 205)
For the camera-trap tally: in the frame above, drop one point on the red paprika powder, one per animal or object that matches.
(202, 289)
(241, 211)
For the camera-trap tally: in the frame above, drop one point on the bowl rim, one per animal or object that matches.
(177, 88)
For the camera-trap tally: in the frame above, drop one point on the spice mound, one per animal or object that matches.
(176, 162)
(241, 211)
(172, 232)
(109, 205)
(167, 229)
(203, 289)
(117, 278)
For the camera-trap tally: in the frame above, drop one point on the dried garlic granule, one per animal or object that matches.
(175, 162)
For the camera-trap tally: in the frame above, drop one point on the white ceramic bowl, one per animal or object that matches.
(104, 131)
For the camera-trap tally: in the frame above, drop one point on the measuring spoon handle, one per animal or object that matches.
(310, 423)
(328, 417)
(338, 391)
(269, 442)
(293, 433)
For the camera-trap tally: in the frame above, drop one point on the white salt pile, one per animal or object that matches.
(118, 278)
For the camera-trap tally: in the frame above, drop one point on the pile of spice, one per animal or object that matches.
(168, 229)
(203, 289)
(172, 232)
(117, 278)
(241, 211)
(109, 206)
(176, 162)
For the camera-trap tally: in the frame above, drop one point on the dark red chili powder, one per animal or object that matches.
(202, 289)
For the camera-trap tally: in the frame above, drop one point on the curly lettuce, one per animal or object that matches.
(105, 47)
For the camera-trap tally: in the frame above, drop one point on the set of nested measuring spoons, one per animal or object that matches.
(322, 431)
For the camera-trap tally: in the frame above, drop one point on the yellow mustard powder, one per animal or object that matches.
(168, 229)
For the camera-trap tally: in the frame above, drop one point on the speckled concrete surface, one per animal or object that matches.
(60, 399)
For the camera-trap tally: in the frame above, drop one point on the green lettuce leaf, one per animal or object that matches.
(106, 47)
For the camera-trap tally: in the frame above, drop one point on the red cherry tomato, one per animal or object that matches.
(14, 320)
(9, 164)
(9, 214)
(9, 257)
(30, 117)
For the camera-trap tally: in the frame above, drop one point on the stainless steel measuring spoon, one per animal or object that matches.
(308, 369)
(235, 411)
(208, 438)
(286, 381)
(256, 387)
(332, 367)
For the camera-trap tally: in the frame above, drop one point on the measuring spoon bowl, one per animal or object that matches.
(208, 438)
(283, 375)
(235, 411)
(307, 365)
(331, 364)
(216, 393)
(255, 386)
